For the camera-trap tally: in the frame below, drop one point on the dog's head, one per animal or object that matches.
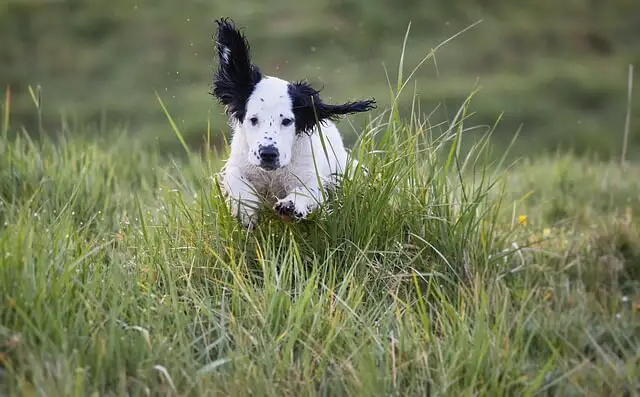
(271, 113)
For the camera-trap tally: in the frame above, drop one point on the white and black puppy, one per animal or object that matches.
(277, 149)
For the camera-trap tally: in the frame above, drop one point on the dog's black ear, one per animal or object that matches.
(236, 76)
(309, 108)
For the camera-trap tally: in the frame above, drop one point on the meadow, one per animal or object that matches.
(555, 71)
(475, 258)
(440, 272)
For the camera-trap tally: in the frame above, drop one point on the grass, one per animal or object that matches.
(441, 272)
(558, 72)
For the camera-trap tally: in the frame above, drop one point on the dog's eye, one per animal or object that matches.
(253, 120)
(287, 122)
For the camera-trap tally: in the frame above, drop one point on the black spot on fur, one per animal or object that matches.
(309, 109)
(236, 76)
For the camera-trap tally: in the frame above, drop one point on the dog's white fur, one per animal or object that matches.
(309, 163)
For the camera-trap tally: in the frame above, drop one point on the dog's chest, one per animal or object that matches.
(275, 183)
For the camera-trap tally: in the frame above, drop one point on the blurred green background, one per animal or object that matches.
(556, 69)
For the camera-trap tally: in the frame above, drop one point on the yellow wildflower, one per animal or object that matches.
(522, 219)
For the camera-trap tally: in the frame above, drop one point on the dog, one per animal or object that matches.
(285, 143)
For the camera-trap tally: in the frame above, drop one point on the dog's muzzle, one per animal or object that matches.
(269, 157)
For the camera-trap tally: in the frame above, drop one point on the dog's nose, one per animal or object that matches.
(268, 155)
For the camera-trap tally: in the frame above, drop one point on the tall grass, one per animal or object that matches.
(122, 273)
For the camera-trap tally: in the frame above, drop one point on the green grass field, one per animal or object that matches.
(556, 71)
(442, 272)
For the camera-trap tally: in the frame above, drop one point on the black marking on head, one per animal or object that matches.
(236, 77)
(309, 109)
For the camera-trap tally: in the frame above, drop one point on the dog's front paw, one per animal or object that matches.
(247, 216)
(248, 221)
(297, 209)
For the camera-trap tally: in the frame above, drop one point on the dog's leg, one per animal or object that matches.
(301, 201)
(241, 197)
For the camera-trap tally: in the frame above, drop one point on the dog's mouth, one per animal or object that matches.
(270, 166)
